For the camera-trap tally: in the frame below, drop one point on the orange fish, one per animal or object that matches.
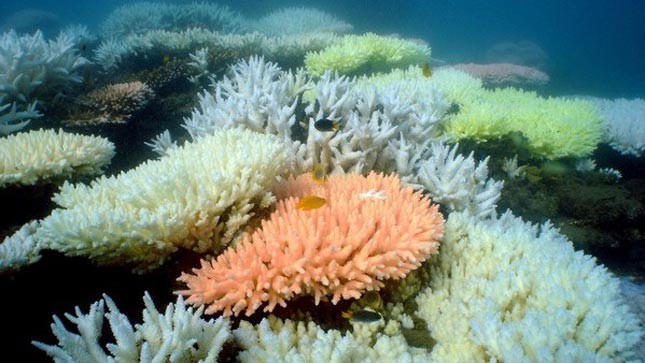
(311, 202)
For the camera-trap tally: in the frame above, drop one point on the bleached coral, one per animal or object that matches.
(30, 65)
(457, 86)
(15, 120)
(512, 169)
(274, 340)
(179, 335)
(624, 123)
(31, 157)
(505, 290)
(459, 182)
(19, 249)
(198, 197)
(257, 96)
(140, 17)
(161, 143)
(298, 20)
(335, 252)
(365, 54)
(113, 52)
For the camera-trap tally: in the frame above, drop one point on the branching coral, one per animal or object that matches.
(370, 229)
(197, 197)
(504, 290)
(364, 54)
(180, 335)
(31, 157)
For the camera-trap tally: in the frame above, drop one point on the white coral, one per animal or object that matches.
(179, 335)
(274, 340)
(298, 20)
(19, 249)
(624, 124)
(505, 290)
(459, 182)
(198, 196)
(32, 157)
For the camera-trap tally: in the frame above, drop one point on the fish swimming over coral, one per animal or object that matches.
(311, 202)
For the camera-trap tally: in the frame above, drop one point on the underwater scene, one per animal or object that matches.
(322, 181)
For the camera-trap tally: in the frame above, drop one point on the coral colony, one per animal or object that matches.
(315, 172)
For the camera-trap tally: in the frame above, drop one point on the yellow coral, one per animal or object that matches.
(368, 53)
(554, 127)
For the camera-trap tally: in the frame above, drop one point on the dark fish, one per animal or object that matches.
(454, 109)
(326, 125)
(363, 316)
(426, 70)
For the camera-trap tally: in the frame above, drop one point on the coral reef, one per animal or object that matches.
(36, 156)
(370, 229)
(199, 196)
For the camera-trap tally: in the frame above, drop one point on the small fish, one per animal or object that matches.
(166, 59)
(311, 202)
(319, 174)
(362, 316)
(326, 125)
(453, 110)
(426, 70)
(372, 299)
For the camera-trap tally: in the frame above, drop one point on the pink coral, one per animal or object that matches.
(370, 229)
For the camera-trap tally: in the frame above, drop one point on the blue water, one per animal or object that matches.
(592, 47)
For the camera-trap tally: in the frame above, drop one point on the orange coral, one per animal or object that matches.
(370, 229)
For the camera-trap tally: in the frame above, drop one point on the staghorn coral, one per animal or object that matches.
(505, 290)
(365, 54)
(459, 182)
(31, 157)
(180, 335)
(370, 229)
(114, 103)
(197, 197)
